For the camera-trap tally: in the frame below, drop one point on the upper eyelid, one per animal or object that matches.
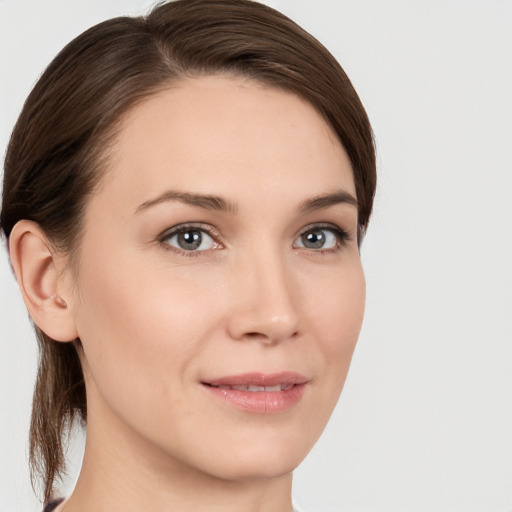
(319, 225)
(324, 225)
(200, 226)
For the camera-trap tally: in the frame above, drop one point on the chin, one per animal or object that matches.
(260, 459)
(250, 470)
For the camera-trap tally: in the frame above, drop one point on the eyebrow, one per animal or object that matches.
(210, 202)
(326, 200)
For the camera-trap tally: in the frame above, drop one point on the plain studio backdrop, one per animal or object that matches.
(425, 420)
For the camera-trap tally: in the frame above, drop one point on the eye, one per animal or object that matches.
(321, 238)
(189, 239)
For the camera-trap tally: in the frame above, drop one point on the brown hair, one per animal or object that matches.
(61, 139)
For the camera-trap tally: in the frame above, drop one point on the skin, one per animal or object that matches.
(156, 321)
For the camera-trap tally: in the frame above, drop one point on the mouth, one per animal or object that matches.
(258, 392)
(252, 388)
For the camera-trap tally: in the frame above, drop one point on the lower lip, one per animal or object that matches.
(261, 402)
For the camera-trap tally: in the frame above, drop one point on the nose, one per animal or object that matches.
(265, 298)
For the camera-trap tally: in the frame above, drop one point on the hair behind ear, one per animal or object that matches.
(59, 399)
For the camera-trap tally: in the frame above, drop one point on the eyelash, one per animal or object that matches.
(342, 237)
(183, 228)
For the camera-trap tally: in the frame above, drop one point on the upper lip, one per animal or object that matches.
(259, 379)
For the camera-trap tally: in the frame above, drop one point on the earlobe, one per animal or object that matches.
(41, 282)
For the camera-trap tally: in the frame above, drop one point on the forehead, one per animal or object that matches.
(226, 136)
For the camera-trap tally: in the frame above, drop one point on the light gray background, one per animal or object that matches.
(425, 420)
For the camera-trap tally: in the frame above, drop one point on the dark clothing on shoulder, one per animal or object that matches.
(52, 505)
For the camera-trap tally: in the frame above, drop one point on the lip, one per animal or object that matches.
(260, 401)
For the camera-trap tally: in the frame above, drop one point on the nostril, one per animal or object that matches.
(267, 338)
(264, 318)
(257, 336)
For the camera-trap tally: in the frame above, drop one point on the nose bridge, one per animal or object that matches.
(266, 305)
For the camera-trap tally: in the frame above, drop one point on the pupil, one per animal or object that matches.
(313, 239)
(189, 240)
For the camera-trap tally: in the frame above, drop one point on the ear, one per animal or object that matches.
(40, 272)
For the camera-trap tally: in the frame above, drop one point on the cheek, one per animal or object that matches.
(337, 306)
(139, 332)
(336, 315)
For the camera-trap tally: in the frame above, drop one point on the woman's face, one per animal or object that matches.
(219, 290)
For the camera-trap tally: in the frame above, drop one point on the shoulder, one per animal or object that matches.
(52, 505)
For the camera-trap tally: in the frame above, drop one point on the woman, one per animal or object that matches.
(184, 199)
